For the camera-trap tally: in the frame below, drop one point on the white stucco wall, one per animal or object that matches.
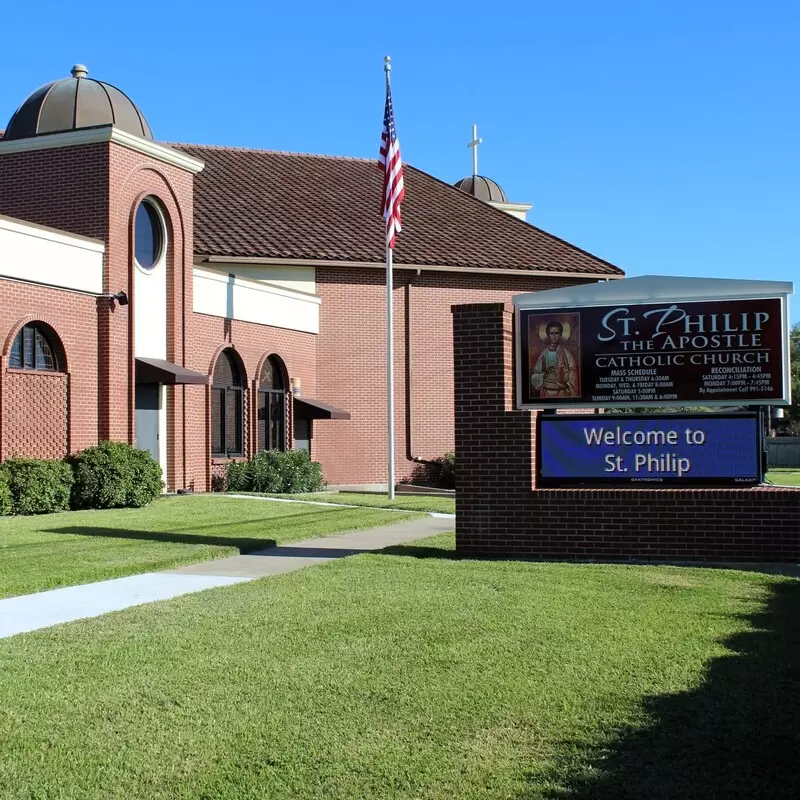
(44, 255)
(233, 296)
(150, 305)
(519, 210)
(297, 279)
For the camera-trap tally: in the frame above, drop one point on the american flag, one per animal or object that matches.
(392, 166)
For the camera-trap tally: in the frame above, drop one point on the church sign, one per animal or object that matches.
(713, 352)
(663, 449)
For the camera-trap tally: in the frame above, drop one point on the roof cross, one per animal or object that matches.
(474, 145)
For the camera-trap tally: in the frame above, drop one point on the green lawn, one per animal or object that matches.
(51, 550)
(397, 676)
(446, 505)
(784, 477)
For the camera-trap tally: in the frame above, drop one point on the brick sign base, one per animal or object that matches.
(501, 513)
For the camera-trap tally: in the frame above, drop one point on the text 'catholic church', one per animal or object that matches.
(206, 303)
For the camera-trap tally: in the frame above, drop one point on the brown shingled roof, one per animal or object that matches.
(268, 204)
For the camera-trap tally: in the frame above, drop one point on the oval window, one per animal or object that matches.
(148, 236)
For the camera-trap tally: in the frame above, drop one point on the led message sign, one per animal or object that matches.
(672, 449)
(726, 352)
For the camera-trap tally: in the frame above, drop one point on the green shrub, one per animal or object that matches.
(114, 475)
(5, 493)
(38, 486)
(276, 473)
(237, 478)
(264, 472)
(447, 473)
(439, 473)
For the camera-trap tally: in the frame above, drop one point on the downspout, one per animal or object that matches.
(184, 318)
(409, 412)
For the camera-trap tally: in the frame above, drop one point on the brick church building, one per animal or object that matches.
(208, 302)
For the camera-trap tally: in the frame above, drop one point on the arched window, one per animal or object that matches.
(227, 406)
(148, 235)
(272, 406)
(36, 347)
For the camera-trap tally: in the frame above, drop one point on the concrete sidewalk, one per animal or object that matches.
(288, 558)
(45, 609)
(441, 514)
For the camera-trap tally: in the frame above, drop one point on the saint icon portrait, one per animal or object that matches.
(554, 348)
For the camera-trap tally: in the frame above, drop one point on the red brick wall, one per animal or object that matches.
(499, 513)
(45, 414)
(351, 363)
(133, 176)
(65, 188)
(35, 422)
(93, 190)
(253, 343)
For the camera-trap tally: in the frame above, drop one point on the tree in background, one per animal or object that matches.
(794, 408)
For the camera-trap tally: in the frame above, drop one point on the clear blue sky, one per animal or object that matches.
(662, 135)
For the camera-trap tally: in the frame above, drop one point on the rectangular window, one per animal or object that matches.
(27, 345)
(271, 420)
(233, 422)
(226, 423)
(262, 421)
(217, 422)
(15, 359)
(276, 402)
(44, 355)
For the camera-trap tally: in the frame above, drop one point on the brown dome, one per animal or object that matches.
(483, 188)
(70, 104)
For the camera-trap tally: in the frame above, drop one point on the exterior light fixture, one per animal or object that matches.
(121, 297)
(297, 389)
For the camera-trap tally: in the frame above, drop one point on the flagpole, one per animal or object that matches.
(389, 339)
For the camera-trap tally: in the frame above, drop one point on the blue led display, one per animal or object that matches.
(602, 449)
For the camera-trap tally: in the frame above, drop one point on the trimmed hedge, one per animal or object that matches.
(110, 475)
(38, 486)
(447, 476)
(276, 472)
(5, 493)
(114, 475)
(439, 472)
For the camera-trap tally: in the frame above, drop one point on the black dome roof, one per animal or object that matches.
(483, 188)
(69, 104)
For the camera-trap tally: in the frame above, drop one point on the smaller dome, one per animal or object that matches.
(483, 188)
(70, 104)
